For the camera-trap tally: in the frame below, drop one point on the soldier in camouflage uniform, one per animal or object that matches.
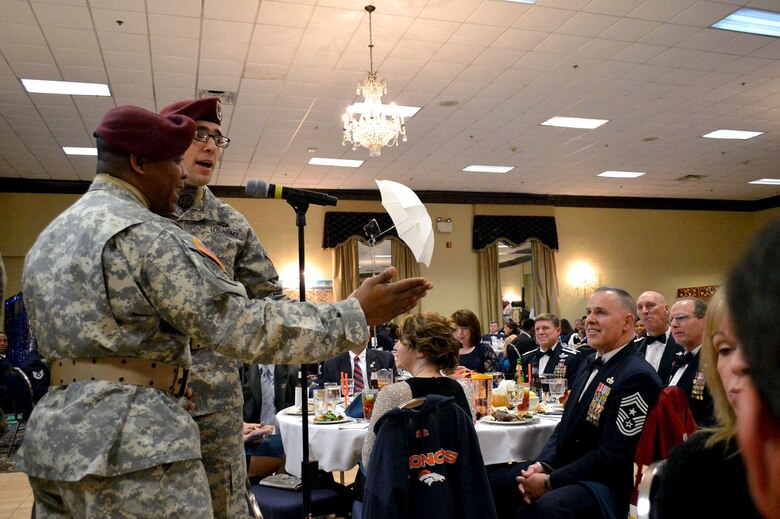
(214, 378)
(115, 292)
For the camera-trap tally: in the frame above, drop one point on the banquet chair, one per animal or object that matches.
(328, 499)
(669, 424)
(21, 393)
(647, 490)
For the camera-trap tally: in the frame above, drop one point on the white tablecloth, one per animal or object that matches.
(338, 446)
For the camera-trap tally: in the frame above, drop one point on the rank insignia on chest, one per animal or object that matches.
(697, 391)
(611, 380)
(632, 414)
(597, 403)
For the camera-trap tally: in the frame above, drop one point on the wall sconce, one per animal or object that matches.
(443, 225)
(582, 277)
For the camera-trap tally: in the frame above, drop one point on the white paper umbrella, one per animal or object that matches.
(410, 217)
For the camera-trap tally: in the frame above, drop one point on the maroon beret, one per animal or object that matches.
(154, 137)
(205, 109)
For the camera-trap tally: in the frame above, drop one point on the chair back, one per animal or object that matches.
(21, 392)
(647, 489)
(426, 462)
(669, 424)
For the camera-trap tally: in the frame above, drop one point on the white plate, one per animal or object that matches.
(492, 421)
(293, 410)
(343, 420)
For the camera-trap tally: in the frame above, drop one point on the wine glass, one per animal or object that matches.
(557, 389)
(515, 396)
(498, 377)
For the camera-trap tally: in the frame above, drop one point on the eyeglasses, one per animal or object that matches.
(202, 135)
(681, 317)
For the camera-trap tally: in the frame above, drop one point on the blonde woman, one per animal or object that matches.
(710, 459)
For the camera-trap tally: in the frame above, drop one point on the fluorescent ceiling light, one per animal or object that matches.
(39, 86)
(575, 122)
(342, 163)
(621, 174)
(731, 134)
(767, 181)
(69, 150)
(383, 256)
(475, 168)
(753, 21)
(391, 109)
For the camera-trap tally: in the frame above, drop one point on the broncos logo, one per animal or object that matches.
(429, 478)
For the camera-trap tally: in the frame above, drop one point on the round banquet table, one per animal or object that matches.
(337, 447)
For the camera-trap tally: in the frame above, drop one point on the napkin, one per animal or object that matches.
(355, 409)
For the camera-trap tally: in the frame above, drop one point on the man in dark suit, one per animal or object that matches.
(369, 361)
(552, 357)
(522, 344)
(588, 461)
(658, 347)
(688, 330)
(267, 389)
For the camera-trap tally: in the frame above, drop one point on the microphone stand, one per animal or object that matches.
(308, 468)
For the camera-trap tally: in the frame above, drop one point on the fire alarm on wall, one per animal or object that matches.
(449, 244)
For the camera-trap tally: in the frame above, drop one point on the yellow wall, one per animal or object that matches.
(635, 249)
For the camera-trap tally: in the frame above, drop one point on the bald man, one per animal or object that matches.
(658, 347)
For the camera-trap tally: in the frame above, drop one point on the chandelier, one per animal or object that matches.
(375, 128)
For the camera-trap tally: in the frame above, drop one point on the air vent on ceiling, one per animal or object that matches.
(690, 178)
(227, 98)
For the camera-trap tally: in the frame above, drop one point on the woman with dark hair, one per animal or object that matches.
(566, 331)
(473, 354)
(427, 349)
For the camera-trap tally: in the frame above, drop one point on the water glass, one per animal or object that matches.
(350, 388)
(320, 401)
(333, 393)
(498, 377)
(385, 377)
(557, 389)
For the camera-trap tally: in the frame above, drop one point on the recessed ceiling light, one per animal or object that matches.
(342, 163)
(575, 122)
(767, 181)
(621, 174)
(731, 134)
(753, 21)
(475, 168)
(391, 109)
(40, 86)
(69, 150)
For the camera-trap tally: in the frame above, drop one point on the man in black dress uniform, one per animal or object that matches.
(552, 357)
(658, 346)
(688, 331)
(754, 301)
(587, 464)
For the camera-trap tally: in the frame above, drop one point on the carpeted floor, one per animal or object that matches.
(6, 462)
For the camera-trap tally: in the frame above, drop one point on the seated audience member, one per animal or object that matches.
(494, 332)
(754, 301)
(386, 335)
(658, 347)
(639, 330)
(267, 389)
(566, 331)
(711, 454)
(687, 315)
(519, 346)
(579, 337)
(472, 353)
(428, 350)
(552, 357)
(586, 467)
(5, 365)
(358, 365)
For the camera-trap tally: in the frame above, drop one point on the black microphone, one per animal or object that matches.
(260, 189)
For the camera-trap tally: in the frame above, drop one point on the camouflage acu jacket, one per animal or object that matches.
(214, 378)
(109, 278)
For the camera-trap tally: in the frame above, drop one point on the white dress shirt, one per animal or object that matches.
(655, 351)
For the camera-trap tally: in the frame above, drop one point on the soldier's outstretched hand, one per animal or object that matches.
(382, 300)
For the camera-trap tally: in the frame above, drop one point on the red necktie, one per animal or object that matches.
(358, 376)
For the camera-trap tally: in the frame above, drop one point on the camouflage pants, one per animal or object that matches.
(171, 490)
(222, 453)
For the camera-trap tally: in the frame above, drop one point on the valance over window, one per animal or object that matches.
(516, 229)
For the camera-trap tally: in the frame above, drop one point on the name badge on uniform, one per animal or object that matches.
(697, 391)
(598, 402)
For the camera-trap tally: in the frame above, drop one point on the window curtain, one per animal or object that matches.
(545, 278)
(489, 285)
(346, 272)
(402, 258)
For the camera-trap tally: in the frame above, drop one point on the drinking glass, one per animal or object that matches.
(333, 393)
(369, 399)
(515, 396)
(320, 401)
(385, 377)
(350, 388)
(498, 377)
(557, 388)
(545, 379)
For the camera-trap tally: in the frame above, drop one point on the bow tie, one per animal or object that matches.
(547, 353)
(683, 360)
(596, 363)
(656, 338)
